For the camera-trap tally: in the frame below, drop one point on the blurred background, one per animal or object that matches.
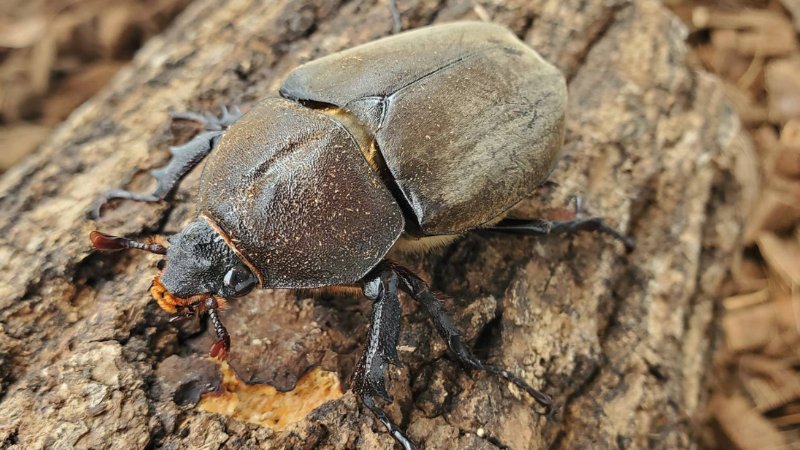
(753, 47)
(55, 54)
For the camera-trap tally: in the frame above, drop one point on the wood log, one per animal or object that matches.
(622, 342)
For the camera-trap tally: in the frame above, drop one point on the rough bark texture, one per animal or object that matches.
(622, 342)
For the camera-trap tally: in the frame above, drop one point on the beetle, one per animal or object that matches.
(400, 144)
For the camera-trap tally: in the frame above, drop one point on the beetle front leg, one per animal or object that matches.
(184, 158)
(381, 349)
(421, 292)
(211, 306)
(222, 346)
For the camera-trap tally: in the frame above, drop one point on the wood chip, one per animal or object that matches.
(744, 426)
(785, 158)
(754, 32)
(782, 77)
(776, 211)
(793, 6)
(767, 140)
(751, 327)
(21, 33)
(769, 383)
(54, 54)
(782, 256)
(749, 275)
(19, 140)
(751, 112)
(746, 300)
(77, 89)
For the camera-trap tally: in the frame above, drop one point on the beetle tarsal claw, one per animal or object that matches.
(178, 318)
(220, 350)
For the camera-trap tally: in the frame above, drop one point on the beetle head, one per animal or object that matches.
(198, 264)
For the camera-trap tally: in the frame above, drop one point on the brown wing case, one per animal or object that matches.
(468, 118)
(291, 189)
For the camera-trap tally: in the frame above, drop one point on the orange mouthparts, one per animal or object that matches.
(165, 299)
(171, 303)
(195, 306)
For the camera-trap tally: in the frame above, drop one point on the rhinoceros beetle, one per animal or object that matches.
(404, 143)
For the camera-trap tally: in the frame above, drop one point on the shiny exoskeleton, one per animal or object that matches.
(406, 142)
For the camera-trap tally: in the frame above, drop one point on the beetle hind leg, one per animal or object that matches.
(397, 23)
(421, 292)
(184, 158)
(369, 378)
(539, 227)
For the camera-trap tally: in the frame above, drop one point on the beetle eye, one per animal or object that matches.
(239, 281)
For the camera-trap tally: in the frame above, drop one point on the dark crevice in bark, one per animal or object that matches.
(607, 22)
(563, 413)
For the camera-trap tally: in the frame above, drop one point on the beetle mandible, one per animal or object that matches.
(403, 143)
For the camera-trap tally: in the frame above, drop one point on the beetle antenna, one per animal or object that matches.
(108, 243)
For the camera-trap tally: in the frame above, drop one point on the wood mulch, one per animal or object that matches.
(753, 47)
(55, 54)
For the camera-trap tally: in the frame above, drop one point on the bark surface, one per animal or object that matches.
(622, 342)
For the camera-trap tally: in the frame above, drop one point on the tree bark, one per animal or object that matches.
(622, 342)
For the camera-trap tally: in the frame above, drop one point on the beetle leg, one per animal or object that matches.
(539, 227)
(381, 349)
(420, 291)
(184, 158)
(222, 346)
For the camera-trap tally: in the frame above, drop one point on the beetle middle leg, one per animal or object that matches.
(368, 379)
(184, 158)
(222, 346)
